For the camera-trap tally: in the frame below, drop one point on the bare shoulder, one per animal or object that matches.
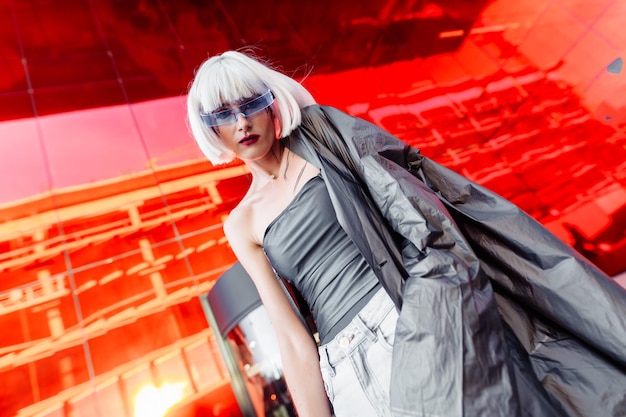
(238, 229)
(238, 222)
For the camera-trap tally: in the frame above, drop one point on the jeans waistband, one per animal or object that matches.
(362, 327)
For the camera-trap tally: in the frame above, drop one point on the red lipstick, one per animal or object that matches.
(249, 140)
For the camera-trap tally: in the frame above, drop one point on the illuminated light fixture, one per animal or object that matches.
(451, 34)
(163, 260)
(15, 295)
(157, 268)
(494, 28)
(478, 30)
(137, 268)
(206, 245)
(184, 253)
(110, 277)
(86, 286)
(151, 401)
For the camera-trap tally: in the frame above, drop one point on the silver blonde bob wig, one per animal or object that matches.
(230, 77)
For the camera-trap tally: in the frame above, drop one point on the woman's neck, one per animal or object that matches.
(273, 164)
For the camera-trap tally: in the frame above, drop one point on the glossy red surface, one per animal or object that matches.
(110, 219)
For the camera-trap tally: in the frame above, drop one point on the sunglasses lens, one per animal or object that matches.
(247, 109)
(223, 117)
(256, 105)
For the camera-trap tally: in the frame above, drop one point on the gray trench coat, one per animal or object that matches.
(497, 316)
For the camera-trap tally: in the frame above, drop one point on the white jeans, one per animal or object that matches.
(356, 364)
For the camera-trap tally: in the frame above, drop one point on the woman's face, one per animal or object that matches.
(249, 137)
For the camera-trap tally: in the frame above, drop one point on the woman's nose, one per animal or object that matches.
(242, 120)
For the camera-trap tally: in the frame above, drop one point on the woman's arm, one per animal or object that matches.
(297, 348)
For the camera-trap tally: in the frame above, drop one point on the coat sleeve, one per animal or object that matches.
(449, 351)
(525, 260)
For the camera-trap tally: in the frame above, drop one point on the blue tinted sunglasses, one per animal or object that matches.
(247, 109)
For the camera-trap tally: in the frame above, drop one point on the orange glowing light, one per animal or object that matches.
(451, 34)
(151, 401)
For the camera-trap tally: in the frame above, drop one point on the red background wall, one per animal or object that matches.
(110, 219)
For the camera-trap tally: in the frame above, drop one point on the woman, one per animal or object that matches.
(405, 309)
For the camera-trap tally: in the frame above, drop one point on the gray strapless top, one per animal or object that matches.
(306, 246)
